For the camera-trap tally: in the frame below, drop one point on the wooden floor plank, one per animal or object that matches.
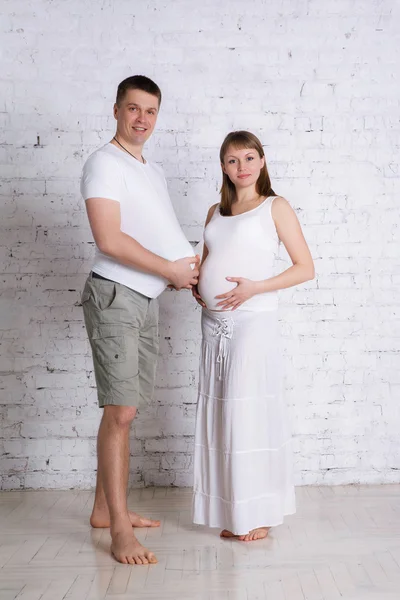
(343, 543)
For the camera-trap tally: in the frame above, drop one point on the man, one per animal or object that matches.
(141, 250)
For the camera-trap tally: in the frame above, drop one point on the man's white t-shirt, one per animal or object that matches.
(147, 214)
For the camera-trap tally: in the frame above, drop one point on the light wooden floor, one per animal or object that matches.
(344, 542)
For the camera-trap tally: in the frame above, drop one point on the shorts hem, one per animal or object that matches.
(134, 404)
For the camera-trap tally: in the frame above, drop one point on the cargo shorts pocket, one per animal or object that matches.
(105, 296)
(85, 297)
(109, 343)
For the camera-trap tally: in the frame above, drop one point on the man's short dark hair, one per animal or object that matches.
(138, 82)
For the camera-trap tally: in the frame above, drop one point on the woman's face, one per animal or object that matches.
(243, 166)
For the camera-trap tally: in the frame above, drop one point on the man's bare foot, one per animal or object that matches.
(255, 534)
(101, 518)
(127, 550)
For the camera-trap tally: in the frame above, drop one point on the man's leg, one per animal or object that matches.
(100, 516)
(108, 307)
(113, 457)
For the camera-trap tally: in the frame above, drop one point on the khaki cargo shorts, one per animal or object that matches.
(122, 327)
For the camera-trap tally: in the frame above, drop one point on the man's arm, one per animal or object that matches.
(105, 222)
(195, 291)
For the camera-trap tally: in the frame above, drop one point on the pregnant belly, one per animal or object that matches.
(212, 282)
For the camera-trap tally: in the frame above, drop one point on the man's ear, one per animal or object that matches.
(115, 111)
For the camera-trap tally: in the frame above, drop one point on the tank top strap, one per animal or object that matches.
(268, 203)
(216, 213)
(265, 208)
(266, 215)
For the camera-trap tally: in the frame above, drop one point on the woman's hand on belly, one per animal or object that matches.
(245, 289)
(196, 295)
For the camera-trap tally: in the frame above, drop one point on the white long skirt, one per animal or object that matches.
(243, 468)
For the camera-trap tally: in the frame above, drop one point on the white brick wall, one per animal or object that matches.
(319, 83)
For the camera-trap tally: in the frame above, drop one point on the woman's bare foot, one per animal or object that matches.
(127, 550)
(227, 534)
(101, 518)
(255, 534)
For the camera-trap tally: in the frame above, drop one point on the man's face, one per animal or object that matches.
(136, 116)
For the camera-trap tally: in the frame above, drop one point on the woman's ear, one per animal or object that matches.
(223, 168)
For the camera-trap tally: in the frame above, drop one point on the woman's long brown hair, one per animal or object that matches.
(239, 140)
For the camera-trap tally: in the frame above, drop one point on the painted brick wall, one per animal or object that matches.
(319, 83)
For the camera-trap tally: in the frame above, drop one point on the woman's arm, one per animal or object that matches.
(290, 233)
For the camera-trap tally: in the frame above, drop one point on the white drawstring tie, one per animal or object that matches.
(224, 329)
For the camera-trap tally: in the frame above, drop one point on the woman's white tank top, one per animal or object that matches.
(244, 245)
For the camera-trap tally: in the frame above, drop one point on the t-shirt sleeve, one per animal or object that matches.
(102, 178)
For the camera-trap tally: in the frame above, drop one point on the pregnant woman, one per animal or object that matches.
(243, 481)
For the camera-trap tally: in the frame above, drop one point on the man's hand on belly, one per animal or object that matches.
(184, 272)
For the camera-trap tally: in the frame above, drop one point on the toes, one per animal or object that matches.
(156, 523)
(152, 558)
(145, 522)
(130, 560)
(122, 559)
(138, 521)
(151, 523)
(257, 534)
